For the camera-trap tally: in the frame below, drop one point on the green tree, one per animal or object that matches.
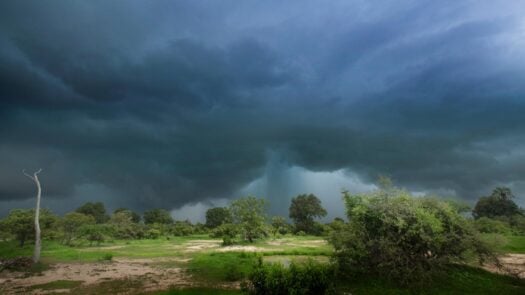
(303, 210)
(21, 223)
(402, 238)
(217, 216)
(97, 210)
(135, 217)
(123, 226)
(71, 224)
(498, 204)
(279, 225)
(95, 233)
(249, 214)
(159, 216)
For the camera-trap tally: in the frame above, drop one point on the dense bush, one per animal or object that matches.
(488, 225)
(308, 278)
(228, 232)
(401, 238)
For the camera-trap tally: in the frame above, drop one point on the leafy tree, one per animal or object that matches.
(182, 228)
(217, 216)
(71, 224)
(499, 203)
(248, 213)
(402, 238)
(95, 233)
(97, 210)
(21, 223)
(135, 217)
(279, 225)
(159, 216)
(303, 210)
(123, 226)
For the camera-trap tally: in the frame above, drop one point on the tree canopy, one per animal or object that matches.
(160, 216)
(303, 210)
(498, 204)
(249, 214)
(217, 216)
(97, 210)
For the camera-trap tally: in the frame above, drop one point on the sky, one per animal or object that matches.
(184, 105)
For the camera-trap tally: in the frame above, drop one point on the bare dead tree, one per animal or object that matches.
(34, 177)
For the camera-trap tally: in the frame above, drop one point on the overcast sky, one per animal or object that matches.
(187, 104)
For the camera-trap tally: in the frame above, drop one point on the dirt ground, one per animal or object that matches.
(151, 276)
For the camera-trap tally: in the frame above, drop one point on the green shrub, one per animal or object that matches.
(107, 257)
(392, 235)
(153, 233)
(488, 225)
(228, 232)
(308, 278)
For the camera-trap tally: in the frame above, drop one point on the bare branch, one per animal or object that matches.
(28, 175)
(38, 172)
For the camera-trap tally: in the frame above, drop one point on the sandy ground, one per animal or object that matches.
(513, 264)
(153, 278)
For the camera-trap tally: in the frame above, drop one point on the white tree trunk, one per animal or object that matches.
(38, 244)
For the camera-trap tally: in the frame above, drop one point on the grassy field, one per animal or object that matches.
(200, 265)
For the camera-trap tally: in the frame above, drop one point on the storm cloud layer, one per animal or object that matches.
(168, 103)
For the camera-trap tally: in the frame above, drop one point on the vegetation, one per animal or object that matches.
(498, 204)
(307, 278)
(248, 214)
(217, 216)
(303, 210)
(97, 210)
(159, 216)
(391, 243)
(402, 239)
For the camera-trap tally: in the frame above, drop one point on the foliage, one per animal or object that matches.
(182, 228)
(217, 216)
(279, 225)
(71, 224)
(123, 226)
(21, 223)
(401, 238)
(499, 203)
(228, 232)
(488, 225)
(309, 278)
(248, 213)
(135, 217)
(95, 233)
(216, 266)
(153, 233)
(97, 210)
(159, 216)
(303, 210)
(107, 257)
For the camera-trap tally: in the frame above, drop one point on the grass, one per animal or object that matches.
(456, 280)
(209, 267)
(54, 285)
(216, 267)
(198, 291)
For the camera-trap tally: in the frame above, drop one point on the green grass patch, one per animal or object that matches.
(216, 267)
(456, 279)
(198, 291)
(515, 244)
(60, 284)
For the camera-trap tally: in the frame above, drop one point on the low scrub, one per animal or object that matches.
(300, 279)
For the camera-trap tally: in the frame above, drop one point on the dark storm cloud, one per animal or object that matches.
(164, 103)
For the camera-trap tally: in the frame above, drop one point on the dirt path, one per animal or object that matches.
(151, 276)
(513, 264)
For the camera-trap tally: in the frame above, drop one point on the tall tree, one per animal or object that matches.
(38, 242)
(499, 203)
(71, 224)
(159, 216)
(135, 217)
(97, 210)
(303, 210)
(217, 216)
(248, 213)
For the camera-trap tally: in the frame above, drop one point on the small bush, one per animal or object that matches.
(300, 233)
(301, 279)
(107, 257)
